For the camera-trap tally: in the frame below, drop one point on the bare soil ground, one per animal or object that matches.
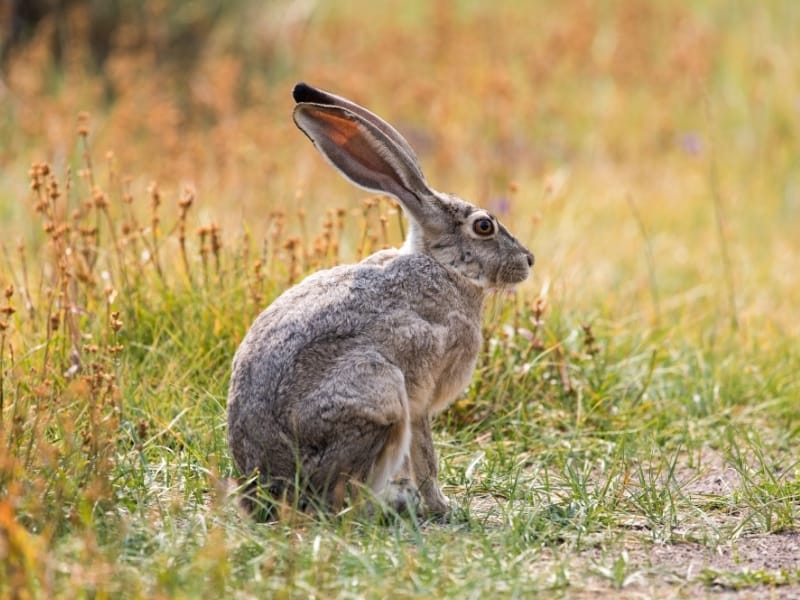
(750, 566)
(753, 567)
(744, 566)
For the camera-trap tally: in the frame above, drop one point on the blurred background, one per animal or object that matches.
(646, 151)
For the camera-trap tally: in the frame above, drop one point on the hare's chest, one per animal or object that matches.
(458, 364)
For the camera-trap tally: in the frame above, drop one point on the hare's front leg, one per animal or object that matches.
(425, 467)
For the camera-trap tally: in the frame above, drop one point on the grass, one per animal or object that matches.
(632, 421)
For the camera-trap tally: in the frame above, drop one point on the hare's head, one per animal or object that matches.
(373, 155)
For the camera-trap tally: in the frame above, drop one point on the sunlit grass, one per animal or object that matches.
(638, 393)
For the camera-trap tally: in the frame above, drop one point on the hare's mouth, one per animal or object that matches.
(512, 274)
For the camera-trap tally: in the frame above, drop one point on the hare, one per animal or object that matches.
(335, 383)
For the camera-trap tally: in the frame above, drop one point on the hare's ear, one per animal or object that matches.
(303, 92)
(365, 154)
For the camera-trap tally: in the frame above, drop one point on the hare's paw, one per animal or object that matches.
(436, 503)
(402, 496)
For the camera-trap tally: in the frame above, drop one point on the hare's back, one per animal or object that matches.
(356, 300)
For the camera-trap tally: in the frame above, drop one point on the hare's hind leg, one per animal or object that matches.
(393, 454)
(355, 427)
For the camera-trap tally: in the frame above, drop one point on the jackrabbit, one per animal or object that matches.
(336, 381)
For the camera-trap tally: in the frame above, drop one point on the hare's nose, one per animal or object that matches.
(530, 259)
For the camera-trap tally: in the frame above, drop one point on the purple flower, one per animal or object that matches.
(500, 205)
(691, 143)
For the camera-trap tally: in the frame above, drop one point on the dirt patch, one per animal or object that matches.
(711, 477)
(766, 566)
(745, 566)
(768, 552)
(713, 552)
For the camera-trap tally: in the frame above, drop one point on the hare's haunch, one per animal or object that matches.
(335, 383)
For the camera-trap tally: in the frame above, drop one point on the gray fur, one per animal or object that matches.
(335, 383)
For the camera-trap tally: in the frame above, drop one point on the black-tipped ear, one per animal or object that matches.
(302, 92)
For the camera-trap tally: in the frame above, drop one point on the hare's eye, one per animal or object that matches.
(483, 227)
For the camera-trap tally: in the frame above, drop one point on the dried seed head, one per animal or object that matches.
(83, 124)
(539, 306)
(141, 429)
(155, 194)
(589, 341)
(216, 240)
(291, 243)
(186, 200)
(52, 189)
(99, 198)
(43, 389)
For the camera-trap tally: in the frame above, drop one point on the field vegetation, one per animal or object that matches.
(633, 423)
